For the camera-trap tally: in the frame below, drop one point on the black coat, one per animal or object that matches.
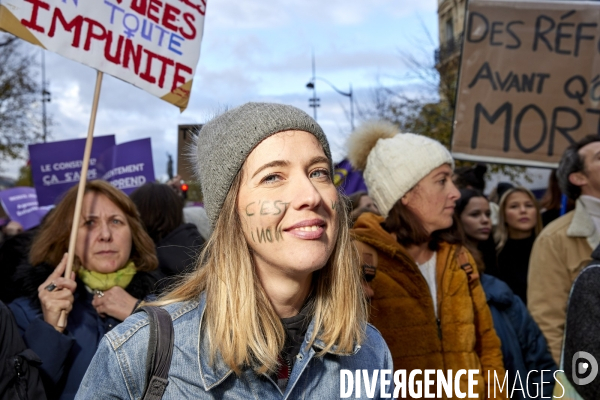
(177, 254)
(65, 356)
(513, 265)
(13, 252)
(19, 375)
(582, 326)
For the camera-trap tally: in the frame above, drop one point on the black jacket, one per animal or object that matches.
(65, 356)
(13, 252)
(582, 326)
(19, 376)
(177, 254)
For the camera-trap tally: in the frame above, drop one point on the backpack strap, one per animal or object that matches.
(367, 256)
(160, 352)
(465, 265)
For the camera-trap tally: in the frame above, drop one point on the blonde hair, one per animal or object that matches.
(239, 319)
(501, 233)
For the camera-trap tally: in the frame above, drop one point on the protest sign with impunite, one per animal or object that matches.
(529, 82)
(155, 45)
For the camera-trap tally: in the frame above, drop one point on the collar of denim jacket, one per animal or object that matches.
(214, 374)
(211, 374)
(319, 344)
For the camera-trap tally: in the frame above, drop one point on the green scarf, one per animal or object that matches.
(99, 281)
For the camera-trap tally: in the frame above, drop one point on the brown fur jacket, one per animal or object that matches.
(461, 337)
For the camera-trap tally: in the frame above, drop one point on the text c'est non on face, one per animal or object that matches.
(266, 207)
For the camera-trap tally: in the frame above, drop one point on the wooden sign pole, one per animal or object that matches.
(62, 321)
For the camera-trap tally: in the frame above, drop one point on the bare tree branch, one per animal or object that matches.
(7, 40)
(20, 93)
(426, 106)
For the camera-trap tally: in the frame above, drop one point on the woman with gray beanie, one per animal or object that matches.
(428, 302)
(275, 309)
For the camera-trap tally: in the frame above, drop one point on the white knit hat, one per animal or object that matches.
(392, 162)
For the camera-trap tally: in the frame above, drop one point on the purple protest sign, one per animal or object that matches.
(127, 166)
(21, 205)
(56, 166)
(347, 179)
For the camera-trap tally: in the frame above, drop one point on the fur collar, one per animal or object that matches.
(582, 225)
(368, 229)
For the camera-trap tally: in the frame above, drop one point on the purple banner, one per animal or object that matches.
(127, 166)
(347, 179)
(21, 205)
(56, 166)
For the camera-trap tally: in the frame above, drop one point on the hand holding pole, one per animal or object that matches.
(62, 321)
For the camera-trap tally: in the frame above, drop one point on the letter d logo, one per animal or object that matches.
(583, 367)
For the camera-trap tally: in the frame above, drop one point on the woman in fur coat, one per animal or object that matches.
(428, 302)
(112, 255)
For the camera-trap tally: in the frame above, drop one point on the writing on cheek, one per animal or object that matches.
(248, 213)
(266, 207)
(267, 235)
(334, 205)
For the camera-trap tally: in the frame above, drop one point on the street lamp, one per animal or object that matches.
(314, 102)
(46, 96)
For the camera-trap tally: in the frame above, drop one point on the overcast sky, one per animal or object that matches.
(256, 50)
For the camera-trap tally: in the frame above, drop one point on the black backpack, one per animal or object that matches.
(160, 352)
(19, 376)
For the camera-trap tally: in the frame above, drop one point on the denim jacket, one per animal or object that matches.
(119, 367)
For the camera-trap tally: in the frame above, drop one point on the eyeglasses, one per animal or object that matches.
(369, 272)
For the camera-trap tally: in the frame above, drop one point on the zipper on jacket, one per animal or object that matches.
(439, 305)
(18, 366)
(21, 383)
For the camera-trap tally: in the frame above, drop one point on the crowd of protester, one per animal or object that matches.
(278, 270)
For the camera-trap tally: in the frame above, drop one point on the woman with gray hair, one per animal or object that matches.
(275, 308)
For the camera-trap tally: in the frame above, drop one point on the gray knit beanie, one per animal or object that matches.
(225, 142)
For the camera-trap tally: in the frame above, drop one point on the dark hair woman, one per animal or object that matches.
(524, 348)
(177, 244)
(113, 254)
(474, 215)
(428, 302)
